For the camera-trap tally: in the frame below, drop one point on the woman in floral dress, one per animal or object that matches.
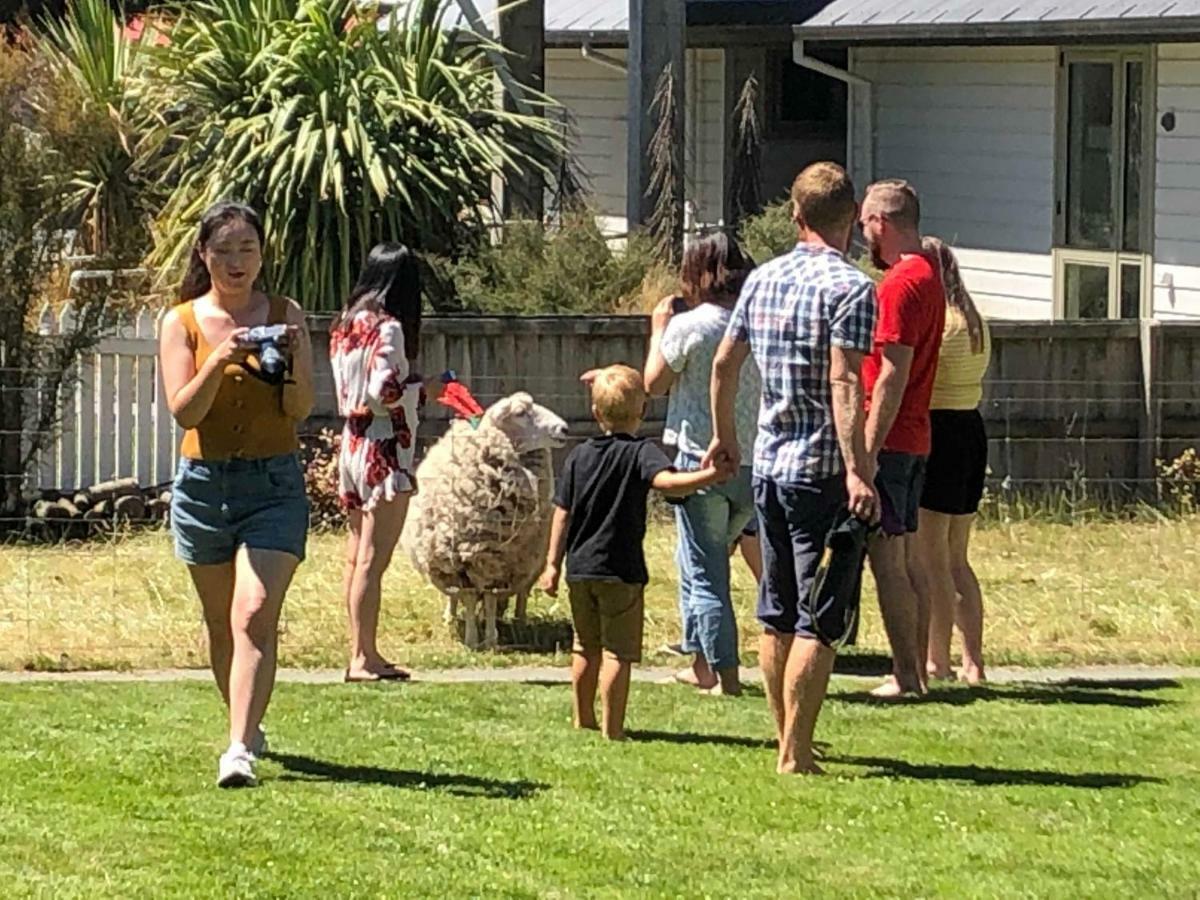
(372, 348)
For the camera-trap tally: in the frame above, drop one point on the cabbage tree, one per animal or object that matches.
(340, 131)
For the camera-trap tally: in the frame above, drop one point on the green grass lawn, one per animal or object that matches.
(472, 790)
(1097, 591)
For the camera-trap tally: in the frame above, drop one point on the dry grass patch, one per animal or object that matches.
(1094, 592)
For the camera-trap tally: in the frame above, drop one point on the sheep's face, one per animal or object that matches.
(528, 425)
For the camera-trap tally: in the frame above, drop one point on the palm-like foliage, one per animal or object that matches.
(341, 132)
(95, 67)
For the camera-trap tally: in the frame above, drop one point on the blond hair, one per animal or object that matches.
(957, 295)
(618, 396)
(823, 198)
(896, 200)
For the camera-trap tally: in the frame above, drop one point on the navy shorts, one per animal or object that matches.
(899, 480)
(794, 521)
(220, 505)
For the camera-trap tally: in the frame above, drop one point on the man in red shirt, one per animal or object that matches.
(898, 381)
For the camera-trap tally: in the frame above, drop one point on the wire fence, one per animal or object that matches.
(87, 575)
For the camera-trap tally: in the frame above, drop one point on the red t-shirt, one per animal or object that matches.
(912, 312)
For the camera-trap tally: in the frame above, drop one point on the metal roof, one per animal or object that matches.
(563, 17)
(865, 20)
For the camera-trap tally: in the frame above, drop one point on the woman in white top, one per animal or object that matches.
(680, 360)
(954, 477)
(372, 348)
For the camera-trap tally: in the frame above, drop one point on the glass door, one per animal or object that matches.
(1102, 219)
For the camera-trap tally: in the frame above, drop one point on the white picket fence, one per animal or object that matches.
(113, 420)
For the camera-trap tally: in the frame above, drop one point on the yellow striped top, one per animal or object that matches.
(959, 380)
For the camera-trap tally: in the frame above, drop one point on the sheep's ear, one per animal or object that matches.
(500, 410)
(520, 403)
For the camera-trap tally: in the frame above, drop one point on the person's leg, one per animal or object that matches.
(898, 607)
(380, 530)
(751, 554)
(969, 610)
(585, 660)
(933, 545)
(614, 696)
(705, 537)
(774, 650)
(806, 680)
(214, 585)
(585, 675)
(261, 582)
(699, 674)
(777, 609)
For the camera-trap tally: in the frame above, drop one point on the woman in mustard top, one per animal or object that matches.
(239, 513)
(954, 478)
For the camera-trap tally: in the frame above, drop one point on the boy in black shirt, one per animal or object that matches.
(600, 522)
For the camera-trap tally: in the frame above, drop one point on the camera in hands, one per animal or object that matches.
(272, 362)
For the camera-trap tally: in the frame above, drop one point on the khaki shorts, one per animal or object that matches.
(608, 616)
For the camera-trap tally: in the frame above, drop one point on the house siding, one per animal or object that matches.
(973, 129)
(596, 96)
(1177, 185)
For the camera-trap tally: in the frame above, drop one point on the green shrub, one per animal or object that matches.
(534, 270)
(772, 233)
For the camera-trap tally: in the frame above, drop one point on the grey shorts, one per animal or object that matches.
(899, 480)
(218, 506)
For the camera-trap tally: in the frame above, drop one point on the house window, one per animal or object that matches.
(1104, 196)
(804, 103)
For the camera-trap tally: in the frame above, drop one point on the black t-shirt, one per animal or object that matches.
(604, 486)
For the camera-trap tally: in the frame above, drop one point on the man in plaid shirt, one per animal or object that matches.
(808, 317)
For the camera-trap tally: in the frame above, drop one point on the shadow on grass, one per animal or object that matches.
(305, 768)
(1122, 684)
(1045, 695)
(988, 775)
(689, 737)
(865, 664)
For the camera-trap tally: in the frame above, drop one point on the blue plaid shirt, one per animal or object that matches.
(792, 310)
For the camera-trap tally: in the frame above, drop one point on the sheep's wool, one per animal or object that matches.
(480, 521)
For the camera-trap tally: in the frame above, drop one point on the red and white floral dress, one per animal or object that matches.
(380, 400)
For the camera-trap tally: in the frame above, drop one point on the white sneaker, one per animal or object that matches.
(258, 745)
(236, 769)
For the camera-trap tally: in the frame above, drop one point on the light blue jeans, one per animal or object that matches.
(709, 521)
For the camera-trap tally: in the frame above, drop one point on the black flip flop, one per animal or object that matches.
(394, 675)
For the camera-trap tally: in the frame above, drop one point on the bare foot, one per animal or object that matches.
(891, 689)
(972, 675)
(724, 690)
(616, 736)
(691, 678)
(586, 726)
(939, 673)
(808, 767)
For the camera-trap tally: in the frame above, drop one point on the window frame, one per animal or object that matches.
(774, 125)
(1064, 254)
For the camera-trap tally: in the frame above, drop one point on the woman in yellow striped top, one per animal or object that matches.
(954, 478)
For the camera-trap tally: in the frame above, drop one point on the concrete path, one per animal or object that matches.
(561, 675)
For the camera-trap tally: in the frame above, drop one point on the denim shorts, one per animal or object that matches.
(218, 506)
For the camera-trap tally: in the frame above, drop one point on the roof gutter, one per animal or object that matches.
(800, 58)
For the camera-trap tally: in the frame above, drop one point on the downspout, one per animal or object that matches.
(588, 52)
(800, 58)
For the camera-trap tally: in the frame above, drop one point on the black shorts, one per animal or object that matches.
(899, 479)
(793, 525)
(957, 463)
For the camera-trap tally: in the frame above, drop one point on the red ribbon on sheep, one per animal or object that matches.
(456, 396)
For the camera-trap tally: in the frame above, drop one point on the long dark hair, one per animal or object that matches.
(957, 295)
(390, 282)
(714, 269)
(197, 282)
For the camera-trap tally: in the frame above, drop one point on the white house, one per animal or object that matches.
(1055, 143)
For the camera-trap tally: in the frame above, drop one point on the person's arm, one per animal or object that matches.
(299, 395)
(557, 549)
(658, 374)
(895, 362)
(845, 381)
(680, 484)
(190, 391)
(727, 368)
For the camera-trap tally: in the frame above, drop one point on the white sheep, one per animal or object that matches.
(480, 522)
